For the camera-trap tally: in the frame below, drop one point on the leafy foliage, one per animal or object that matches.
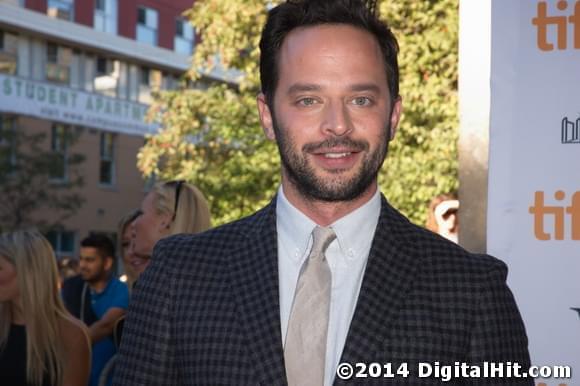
(423, 157)
(211, 135)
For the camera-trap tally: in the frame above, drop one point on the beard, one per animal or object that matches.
(336, 188)
(93, 277)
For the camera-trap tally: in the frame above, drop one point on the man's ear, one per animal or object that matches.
(266, 117)
(108, 263)
(396, 116)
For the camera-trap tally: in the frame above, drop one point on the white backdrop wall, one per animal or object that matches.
(533, 219)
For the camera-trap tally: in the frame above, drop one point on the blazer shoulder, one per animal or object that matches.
(436, 250)
(213, 243)
(445, 250)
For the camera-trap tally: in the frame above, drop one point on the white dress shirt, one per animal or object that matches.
(347, 256)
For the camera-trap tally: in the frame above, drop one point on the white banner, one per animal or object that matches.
(67, 105)
(534, 171)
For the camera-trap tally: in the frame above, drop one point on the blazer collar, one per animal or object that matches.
(253, 272)
(389, 274)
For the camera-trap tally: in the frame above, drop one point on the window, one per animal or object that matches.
(105, 19)
(147, 21)
(144, 89)
(107, 164)
(61, 9)
(107, 76)
(63, 243)
(170, 82)
(149, 80)
(7, 145)
(184, 37)
(8, 53)
(58, 146)
(58, 62)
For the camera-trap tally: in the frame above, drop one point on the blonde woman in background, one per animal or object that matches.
(169, 208)
(124, 236)
(40, 342)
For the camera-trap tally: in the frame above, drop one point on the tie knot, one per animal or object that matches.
(322, 236)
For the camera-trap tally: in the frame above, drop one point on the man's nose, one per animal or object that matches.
(336, 120)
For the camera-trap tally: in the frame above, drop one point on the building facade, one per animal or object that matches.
(85, 69)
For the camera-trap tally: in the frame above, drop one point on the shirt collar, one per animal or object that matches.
(294, 227)
(99, 293)
(354, 232)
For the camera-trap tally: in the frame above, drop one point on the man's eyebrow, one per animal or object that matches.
(365, 87)
(308, 87)
(303, 87)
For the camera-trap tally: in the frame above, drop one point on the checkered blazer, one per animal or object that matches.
(206, 312)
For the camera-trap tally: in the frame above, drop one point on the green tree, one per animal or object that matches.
(423, 157)
(211, 135)
(26, 167)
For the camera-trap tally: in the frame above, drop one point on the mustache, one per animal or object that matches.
(336, 142)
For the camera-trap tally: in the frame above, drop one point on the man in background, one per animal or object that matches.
(103, 298)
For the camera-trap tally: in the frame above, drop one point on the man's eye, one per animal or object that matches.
(361, 101)
(306, 101)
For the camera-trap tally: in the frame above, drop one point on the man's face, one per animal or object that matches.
(331, 115)
(93, 266)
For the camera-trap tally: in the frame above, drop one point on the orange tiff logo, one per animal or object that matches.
(542, 21)
(558, 212)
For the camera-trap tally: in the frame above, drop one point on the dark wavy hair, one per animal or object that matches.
(101, 243)
(293, 14)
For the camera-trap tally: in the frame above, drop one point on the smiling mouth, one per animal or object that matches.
(139, 260)
(337, 155)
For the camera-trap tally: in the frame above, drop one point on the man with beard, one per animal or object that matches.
(109, 299)
(328, 272)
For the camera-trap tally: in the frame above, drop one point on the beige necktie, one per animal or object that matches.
(305, 349)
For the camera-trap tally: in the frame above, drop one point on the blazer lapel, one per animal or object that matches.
(254, 278)
(388, 275)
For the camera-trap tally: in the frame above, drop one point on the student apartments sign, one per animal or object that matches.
(67, 105)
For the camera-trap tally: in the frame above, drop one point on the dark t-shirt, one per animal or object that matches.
(73, 291)
(13, 359)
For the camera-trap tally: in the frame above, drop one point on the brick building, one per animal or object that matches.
(88, 67)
